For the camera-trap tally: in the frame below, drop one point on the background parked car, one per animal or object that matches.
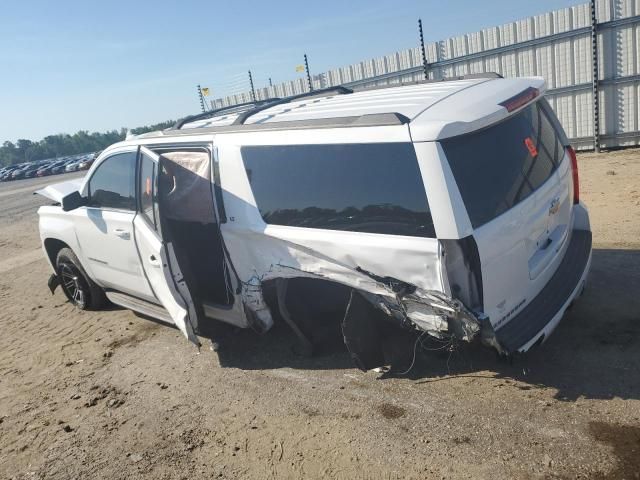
(72, 167)
(18, 174)
(7, 173)
(59, 168)
(48, 168)
(31, 171)
(86, 164)
(44, 171)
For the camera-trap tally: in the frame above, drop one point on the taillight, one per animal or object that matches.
(522, 98)
(574, 171)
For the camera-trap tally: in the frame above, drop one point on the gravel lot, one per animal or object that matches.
(112, 395)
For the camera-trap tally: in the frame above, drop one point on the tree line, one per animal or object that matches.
(62, 145)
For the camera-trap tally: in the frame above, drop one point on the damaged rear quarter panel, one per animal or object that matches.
(261, 252)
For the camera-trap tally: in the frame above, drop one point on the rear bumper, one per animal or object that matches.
(538, 319)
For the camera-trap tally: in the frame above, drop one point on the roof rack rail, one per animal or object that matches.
(260, 105)
(366, 120)
(361, 87)
(481, 75)
(211, 113)
(339, 89)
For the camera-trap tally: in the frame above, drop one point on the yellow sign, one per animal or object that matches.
(299, 68)
(205, 91)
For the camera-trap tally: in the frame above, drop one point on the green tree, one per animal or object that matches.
(153, 128)
(61, 145)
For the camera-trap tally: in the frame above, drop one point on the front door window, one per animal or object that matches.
(112, 185)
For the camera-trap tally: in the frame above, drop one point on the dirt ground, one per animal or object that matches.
(112, 395)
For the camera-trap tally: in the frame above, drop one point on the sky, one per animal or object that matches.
(94, 65)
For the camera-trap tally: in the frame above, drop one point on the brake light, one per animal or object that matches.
(520, 99)
(531, 147)
(574, 171)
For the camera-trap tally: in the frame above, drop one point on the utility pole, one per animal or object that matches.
(201, 97)
(253, 90)
(270, 83)
(306, 67)
(594, 62)
(425, 66)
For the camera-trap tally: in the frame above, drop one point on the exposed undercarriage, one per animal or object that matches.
(367, 313)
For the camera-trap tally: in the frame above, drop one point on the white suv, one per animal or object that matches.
(450, 208)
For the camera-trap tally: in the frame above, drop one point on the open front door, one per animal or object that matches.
(157, 256)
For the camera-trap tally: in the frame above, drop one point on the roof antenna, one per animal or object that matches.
(306, 67)
(253, 90)
(201, 97)
(425, 65)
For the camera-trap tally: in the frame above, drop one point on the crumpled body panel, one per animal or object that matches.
(400, 276)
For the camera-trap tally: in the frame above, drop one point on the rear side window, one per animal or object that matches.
(499, 166)
(374, 188)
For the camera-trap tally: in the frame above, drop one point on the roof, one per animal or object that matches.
(434, 110)
(408, 100)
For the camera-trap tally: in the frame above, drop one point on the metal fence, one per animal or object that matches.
(563, 46)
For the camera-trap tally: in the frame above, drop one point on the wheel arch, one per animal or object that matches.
(52, 247)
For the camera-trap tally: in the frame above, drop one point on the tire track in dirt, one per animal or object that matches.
(33, 434)
(61, 326)
(44, 334)
(21, 260)
(62, 331)
(57, 334)
(31, 353)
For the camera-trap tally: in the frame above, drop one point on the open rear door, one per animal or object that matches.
(157, 256)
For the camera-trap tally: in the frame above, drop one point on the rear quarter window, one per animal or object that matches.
(374, 188)
(499, 166)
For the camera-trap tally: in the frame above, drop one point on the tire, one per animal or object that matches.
(76, 284)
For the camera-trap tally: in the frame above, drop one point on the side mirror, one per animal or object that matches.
(72, 201)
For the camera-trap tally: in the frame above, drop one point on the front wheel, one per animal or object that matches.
(76, 284)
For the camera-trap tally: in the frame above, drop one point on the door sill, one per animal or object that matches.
(224, 313)
(141, 306)
(213, 310)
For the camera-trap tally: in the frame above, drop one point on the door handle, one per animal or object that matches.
(153, 260)
(119, 232)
